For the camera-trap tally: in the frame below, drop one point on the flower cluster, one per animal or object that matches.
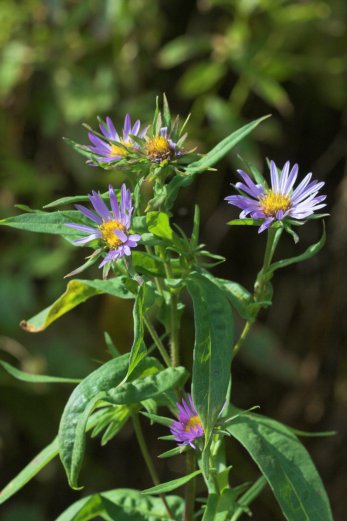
(279, 201)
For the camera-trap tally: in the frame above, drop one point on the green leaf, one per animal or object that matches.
(239, 297)
(223, 148)
(36, 378)
(138, 349)
(245, 222)
(163, 488)
(73, 421)
(177, 451)
(77, 291)
(111, 420)
(212, 349)
(162, 420)
(143, 388)
(41, 460)
(247, 498)
(64, 201)
(47, 222)
(308, 253)
(30, 470)
(286, 465)
(146, 264)
(131, 505)
(111, 348)
(158, 223)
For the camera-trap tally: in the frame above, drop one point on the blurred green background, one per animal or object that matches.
(65, 62)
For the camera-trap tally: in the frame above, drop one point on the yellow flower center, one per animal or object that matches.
(107, 231)
(116, 150)
(193, 423)
(158, 148)
(270, 203)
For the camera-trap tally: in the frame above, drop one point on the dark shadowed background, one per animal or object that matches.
(227, 62)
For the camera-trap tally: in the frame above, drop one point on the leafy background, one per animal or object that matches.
(65, 62)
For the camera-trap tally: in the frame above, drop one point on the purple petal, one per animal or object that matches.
(265, 224)
(99, 206)
(127, 127)
(284, 177)
(81, 227)
(291, 180)
(274, 177)
(114, 203)
(136, 128)
(88, 213)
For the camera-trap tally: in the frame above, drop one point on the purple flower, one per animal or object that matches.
(188, 427)
(279, 201)
(109, 226)
(108, 150)
(161, 147)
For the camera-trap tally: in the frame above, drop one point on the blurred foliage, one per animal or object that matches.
(63, 62)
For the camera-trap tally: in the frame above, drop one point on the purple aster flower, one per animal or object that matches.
(109, 226)
(108, 150)
(161, 147)
(188, 427)
(279, 201)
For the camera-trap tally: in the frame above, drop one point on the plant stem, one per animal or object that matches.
(262, 281)
(174, 325)
(243, 336)
(157, 342)
(190, 487)
(148, 460)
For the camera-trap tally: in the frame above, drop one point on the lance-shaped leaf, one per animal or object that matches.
(143, 388)
(163, 488)
(308, 253)
(130, 505)
(286, 465)
(79, 406)
(36, 378)
(77, 291)
(25, 475)
(138, 349)
(220, 150)
(212, 349)
(46, 222)
(41, 460)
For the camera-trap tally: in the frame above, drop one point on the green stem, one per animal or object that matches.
(174, 325)
(261, 283)
(148, 460)
(157, 342)
(190, 487)
(243, 336)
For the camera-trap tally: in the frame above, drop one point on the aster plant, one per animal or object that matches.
(140, 255)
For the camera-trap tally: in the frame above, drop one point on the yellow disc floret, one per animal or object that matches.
(158, 148)
(193, 423)
(116, 150)
(107, 231)
(271, 203)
